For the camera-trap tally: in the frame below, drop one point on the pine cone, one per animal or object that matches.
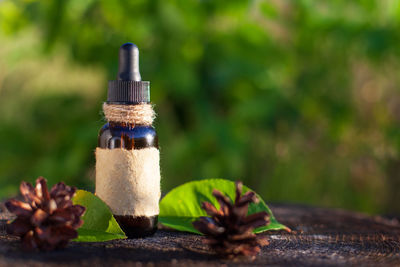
(46, 221)
(229, 230)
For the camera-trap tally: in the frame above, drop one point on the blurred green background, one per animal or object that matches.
(299, 99)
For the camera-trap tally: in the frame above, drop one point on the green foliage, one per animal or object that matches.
(298, 99)
(99, 224)
(180, 207)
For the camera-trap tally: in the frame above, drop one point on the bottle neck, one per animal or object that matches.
(114, 124)
(142, 114)
(121, 124)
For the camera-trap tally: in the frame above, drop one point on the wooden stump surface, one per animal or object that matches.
(320, 237)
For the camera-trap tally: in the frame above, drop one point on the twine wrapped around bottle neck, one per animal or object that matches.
(141, 114)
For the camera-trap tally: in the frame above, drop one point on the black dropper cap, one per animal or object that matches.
(128, 89)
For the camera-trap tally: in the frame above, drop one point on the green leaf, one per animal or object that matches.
(99, 223)
(180, 207)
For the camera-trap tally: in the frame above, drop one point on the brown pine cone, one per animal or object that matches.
(46, 221)
(229, 231)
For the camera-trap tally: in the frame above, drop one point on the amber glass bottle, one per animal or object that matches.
(130, 92)
(123, 135)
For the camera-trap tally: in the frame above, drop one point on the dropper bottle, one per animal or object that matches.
(127, 156)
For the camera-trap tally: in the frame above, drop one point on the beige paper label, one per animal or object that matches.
(128, 181)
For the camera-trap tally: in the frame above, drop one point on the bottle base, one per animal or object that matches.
(137, 226)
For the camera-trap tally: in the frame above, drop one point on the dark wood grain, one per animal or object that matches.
(320, 237)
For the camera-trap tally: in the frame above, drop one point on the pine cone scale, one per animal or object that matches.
(257, 219)
(245, 236)
(41, 189)
(257, 216)
(19, 208)
(61, 216)
(210, 209)
(247, 198)
(206, 226)
(238, 190)
(222, 200)
(27, 191)
(38, 217)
